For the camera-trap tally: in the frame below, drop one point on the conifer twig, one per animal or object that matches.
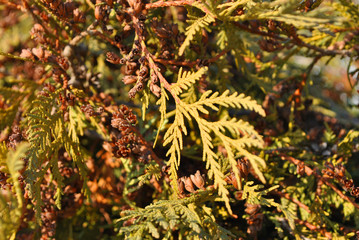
(150, 58)
(314, 228)
(310, 171)
(190, 64)
(296, 201)
(17, 57)
(297, 41)
(169, 3)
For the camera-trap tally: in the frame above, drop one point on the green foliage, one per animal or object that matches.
(11, 200)
(151, 170)
(346, 145)
(47, 135)
(14, 98)
(193, 29)
(186, 80)
(163, 218)
(234, 146)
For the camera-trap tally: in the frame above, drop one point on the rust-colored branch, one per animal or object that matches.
(309, 172)
(168, 3)
(296, 201)
(215, 58)
(346, 29)
(314, 228)
(106, 216)
(94, 32)
(297, 41)
(148, 147)
(325, 52)
(149, 58)
(8, 55)
(189, 64)
(156, 184)
(339, 192)
(258, 32)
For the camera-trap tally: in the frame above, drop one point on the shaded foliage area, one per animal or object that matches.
(180, 119)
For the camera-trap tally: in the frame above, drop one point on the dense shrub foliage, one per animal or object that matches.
(184, 119)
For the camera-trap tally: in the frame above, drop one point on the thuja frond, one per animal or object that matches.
(190, 95)
(289, 210)
(243, 135)
(226, 100)
(163, 109)
(145, 99)
(219, 128)
(279, 10)
(195, 27)
(346, 145)
(254, 194)
(76, 123)
(47, 135)
(237, 146)
(14, 98)
(186, 79)
(173, 136)
(229, 7)
(134, 174)
(43, 126)
(152, 169)
(162, 218)
(347, 9)
(11, 205)
(210, 157)
(14, 164)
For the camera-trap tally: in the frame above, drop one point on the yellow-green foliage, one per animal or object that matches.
(235, 144)
(48, 133)
(186, 215)
(11, 200)
(195, 27)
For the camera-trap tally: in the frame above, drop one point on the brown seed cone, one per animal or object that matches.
(188, 184)
(348, 183)
(129, 79)
(251, 209)
(112, 58)
(25, 53)
(233, 180)
(38, 52)
(198, 180)
(301, 168)
(355, 192)
(181, 185)
(155, 89)
(243, 167)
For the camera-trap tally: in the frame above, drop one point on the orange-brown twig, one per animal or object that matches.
(296, 201)
(168, 3)
(310, 171)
